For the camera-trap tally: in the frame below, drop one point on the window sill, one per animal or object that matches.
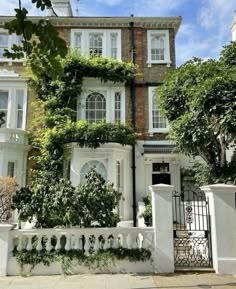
(164, 130)
(10, 61)
(150, 63)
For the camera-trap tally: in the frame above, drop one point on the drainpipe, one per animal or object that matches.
(133, 100)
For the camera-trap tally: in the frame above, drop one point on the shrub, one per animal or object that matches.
(7, 188)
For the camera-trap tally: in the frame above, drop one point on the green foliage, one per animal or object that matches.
(147, 213)
(41, 42)
(198, 99)
(7, 189)
(100, 259)
(51, 200)
(52, 203)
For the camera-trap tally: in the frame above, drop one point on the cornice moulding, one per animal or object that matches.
(144, 22)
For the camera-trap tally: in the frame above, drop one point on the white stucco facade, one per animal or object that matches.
(13, 136)
(106, 160)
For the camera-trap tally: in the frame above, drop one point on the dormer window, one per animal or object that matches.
(158, 47)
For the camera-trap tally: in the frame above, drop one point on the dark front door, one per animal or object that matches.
(161, 178)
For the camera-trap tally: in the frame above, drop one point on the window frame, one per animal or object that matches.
(109, 94)
(12, 39)
(165, 35)
(12, 110)
(106, 34)
(151, 129)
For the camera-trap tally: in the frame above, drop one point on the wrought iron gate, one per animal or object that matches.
(192, 236)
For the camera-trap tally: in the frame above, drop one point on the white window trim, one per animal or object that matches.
(151, 129)
(12, 87)
(164, 33)
(11, 41)
(109, 94)
(106, 35)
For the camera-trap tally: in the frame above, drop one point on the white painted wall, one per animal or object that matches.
(19, 157)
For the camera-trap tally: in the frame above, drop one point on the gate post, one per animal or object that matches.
(163, 227)
(4, 245)
(223, 226)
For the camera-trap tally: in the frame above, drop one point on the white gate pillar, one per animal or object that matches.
(223, 226)
(163, 227)
(4, 245)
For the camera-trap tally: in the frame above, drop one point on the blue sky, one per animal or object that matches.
(204, 30)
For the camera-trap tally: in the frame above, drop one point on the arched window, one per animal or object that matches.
(95, 44)
(157, 48)
(95, 107)
(98, 166)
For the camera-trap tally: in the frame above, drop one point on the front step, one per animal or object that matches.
(194, 269)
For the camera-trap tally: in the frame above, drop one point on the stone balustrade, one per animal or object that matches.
(88, 240)
(13, 136)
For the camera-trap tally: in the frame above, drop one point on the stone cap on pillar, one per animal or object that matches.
(219, 188)
(6, 227)
(161, 188)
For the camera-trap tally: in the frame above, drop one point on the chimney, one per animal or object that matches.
(61, 8)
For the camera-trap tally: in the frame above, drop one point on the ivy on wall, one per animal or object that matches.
(57, 126)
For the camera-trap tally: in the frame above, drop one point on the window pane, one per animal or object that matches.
(118, 107)
(3, 43)
(114, 46)
(158, 48)
(98, 166)
(20, 98)
(11, 169)
(3, 108)
(158, 119)
(95, 107)
(19, 119)
(20, 106)
(95, 44)
(78, 40)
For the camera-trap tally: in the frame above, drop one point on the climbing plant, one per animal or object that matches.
(56, 127)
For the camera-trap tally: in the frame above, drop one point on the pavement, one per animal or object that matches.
(121, 281)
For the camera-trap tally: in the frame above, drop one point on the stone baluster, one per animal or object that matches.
(20, 243)
(29, 243)
(114, 241)
(129, 241)
(39, 246)
(76, 243)
(68, 242)
(106, 244)
(124, 240)
(48, 244)
(96, 243)
(86, 244)
(81, 246)
(58, 244)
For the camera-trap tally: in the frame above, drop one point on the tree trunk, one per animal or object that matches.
(222, 154)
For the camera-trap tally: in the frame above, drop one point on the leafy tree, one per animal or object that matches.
(41, 42)
(199, 101)
(58, 203)
(7, 188)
